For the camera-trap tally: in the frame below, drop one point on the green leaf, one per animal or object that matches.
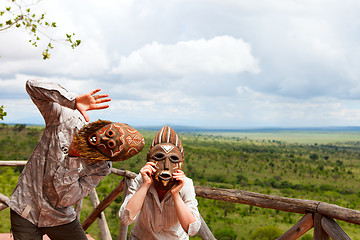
(46, 54)
(53, 24)
(2, 112)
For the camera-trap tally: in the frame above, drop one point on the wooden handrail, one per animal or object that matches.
(340, 213)
(3, 199)
(279, 203)
(12, 163)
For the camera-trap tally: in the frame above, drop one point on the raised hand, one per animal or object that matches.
(179, 177)
(90, 101)
(146, 172)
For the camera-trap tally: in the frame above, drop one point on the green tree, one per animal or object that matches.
(18, 14)
(314, 156)
(227, 207)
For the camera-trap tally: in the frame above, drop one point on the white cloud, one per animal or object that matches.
(205, 63)
(221, 54)
(20, 57)
(13, 87)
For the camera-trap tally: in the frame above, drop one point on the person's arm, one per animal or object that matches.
(133, 186)
(135, 203)
(73, 181)
(44, 94)
(184, 214)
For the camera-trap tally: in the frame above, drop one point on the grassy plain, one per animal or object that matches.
(320, 165)
(294, 136)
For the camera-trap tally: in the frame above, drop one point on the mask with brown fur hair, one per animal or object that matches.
(107, 141)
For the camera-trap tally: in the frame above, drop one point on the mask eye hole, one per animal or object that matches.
(111, 144)
(174, 159)
(110, 133)
(93, 139)
(159, 156)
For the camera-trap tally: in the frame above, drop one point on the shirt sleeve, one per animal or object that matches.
(73, 182)
(188, 195)
(124, 214)
(49, 97)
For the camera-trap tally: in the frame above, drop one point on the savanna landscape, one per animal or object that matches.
(304, 164)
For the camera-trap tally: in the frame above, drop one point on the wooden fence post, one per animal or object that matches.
(319, 233)
(102, 205)
(204, 231)
(123, 228)
(299, 229)
(78, 207)
(103, 226)
(333, 229)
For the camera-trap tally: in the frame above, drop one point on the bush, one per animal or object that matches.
(217, 178)
(314, 156)
(241, 178)
(226, 233)
(266, 233)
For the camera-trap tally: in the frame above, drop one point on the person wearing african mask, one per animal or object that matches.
(70, 159)
(161, 199)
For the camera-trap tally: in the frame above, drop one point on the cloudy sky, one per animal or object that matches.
(204, 63)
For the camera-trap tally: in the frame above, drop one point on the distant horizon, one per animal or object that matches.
(187, 128)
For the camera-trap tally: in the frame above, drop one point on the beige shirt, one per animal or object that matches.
(52, 182)
(158, 220)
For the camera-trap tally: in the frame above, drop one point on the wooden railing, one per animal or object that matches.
(317, 215)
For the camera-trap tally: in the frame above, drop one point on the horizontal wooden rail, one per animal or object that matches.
(279, 203)
(12, 163)
(258, 199)
(3, 199)
(123, 173)
(340, 213)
